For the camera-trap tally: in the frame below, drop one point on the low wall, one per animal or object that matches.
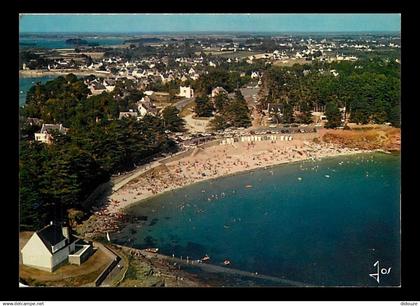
(176, 157)
(78, 259)
(188, 152)
(108, 269)
(209, 144)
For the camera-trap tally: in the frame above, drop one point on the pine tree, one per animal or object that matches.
(172, 120)
(333, 116)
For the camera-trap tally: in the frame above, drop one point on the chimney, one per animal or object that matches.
(66, 232)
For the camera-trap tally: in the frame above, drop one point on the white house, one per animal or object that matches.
(96, 88)
(186, 91)
(142, 110)
(334, 72)
(255, 75)
(195, 76)
(45, 134)
(216, 91)
(145, 106)
(127, 115)
(51, 246)
(109, 85)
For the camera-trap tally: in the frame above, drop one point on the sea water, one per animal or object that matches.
(323, 223)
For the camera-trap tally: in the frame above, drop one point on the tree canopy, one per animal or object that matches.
(61, 175)
(368, 89)
(234, 113)
(171, 119)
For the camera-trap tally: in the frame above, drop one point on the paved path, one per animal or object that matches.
(139, 171)
(111, 277)
(182, 103)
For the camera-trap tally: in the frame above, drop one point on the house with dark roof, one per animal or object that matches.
(52, 246)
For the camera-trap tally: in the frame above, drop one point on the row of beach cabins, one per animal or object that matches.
(255, 138)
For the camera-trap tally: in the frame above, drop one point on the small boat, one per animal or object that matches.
(226, 262)
(327, 176)
(152, 250)
(205, 258)
(248, 186)
(299, 178)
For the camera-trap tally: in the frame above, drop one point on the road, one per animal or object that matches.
(116, 273)
(182, 103)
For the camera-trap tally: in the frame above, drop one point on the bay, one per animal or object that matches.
(323, 223)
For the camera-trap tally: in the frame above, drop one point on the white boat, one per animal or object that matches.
(152, 250)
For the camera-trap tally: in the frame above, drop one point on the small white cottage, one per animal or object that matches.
(51, 246)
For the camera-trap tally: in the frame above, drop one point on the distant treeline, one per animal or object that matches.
(368, 89)
(143, 40)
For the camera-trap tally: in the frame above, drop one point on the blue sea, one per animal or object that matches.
(327, 228)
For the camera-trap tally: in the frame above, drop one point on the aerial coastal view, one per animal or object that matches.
(209, 150)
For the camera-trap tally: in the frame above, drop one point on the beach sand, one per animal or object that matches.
(213, 162)
(203, 164)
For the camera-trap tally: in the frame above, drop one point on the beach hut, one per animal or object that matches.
(282, 138)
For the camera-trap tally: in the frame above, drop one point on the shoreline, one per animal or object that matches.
(206, 164)
(210, 163)
(126, 206)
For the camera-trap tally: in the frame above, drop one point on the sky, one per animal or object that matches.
(152, 23)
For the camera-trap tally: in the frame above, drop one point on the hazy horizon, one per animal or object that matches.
(228, 32)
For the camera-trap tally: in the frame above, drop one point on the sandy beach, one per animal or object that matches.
(209, 163)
